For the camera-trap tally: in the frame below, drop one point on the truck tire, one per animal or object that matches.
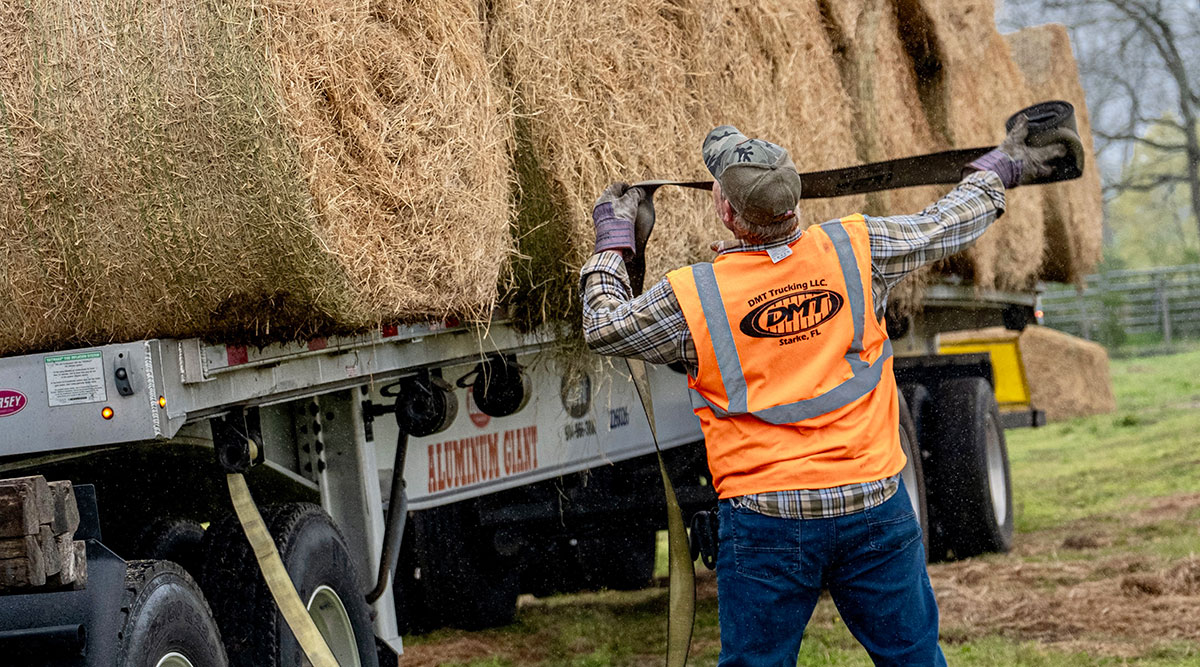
(914, 471)
(622, 561)
(176, 540)
(549, 565)
(326, 577)
(408, 593)
(167, 621)
(969, 483)
(617, 560)
(466, 583)
(917, 397)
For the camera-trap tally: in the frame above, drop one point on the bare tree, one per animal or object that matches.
(1138, 61)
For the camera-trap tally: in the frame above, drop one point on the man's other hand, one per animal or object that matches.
(613, 215)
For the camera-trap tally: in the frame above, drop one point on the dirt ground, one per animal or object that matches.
(1064, 588)
(1050, 590)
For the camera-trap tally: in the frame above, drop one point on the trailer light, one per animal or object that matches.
(1039, 313)
(162, 402)
(107, 412)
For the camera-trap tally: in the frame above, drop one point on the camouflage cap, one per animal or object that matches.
(757, 177)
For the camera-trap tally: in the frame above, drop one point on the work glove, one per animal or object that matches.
(613, 215)
(1015, 161)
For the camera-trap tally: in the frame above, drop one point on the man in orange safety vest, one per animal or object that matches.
(790, 372)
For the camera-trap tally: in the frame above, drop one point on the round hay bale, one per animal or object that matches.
(1068, 376)
(970, 87)
(1073, 209)
(628, 90)
(254, 171)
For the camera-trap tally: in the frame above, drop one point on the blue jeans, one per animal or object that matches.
(770, 573)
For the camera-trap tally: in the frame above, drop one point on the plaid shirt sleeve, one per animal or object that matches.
(649, 327)
(903, 243)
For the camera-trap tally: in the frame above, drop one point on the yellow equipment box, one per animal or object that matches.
(1012, 387)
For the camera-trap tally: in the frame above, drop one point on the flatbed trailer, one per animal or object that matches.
(535, 475)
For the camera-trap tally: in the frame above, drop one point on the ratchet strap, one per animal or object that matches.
(681, 592)
(1049, 123)
(280, 584)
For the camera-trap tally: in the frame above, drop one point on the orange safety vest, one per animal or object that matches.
(795, 388)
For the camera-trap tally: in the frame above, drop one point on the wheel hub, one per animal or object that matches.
(174, 659)
(332, 621)
(995, 473)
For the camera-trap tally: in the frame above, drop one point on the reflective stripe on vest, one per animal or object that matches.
(865, 377)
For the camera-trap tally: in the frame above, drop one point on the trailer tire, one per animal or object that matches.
(166, 619)
(466, 583)
(917, 397)
(326, 577)
(970, 487)
(622, 561)
(408, 593)
(914, 471)
(548, 565)
(176, 540)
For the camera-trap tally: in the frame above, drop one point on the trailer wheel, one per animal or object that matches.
(408, 593)
(917, 397)
(914, 471)
(167, 622)
(548, 565)
(622, 561)
(326, 577)
(970, 485)
(176, 540)
(465, 582)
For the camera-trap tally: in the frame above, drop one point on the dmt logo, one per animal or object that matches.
(792, 314)
(11, 402)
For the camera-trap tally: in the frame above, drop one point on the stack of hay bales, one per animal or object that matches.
(246, 171)
(625, 90)
(281, 169)
(1067, 376)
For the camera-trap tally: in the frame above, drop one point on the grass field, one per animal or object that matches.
(1105, 568)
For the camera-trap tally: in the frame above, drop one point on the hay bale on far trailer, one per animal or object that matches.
(1067, 376)
(245, 171)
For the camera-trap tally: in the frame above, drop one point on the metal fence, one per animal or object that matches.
(1163, 301)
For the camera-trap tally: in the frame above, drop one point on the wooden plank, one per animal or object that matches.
(80, 563)
(64, 549)
(74, 567)
(48, 543)
(18, 547)
(66, 511)
(23, 572)
(21, 506)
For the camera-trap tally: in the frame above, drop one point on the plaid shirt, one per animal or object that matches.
(652, 326)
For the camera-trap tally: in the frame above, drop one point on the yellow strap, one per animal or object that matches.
(682, 591)
(282, 589)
